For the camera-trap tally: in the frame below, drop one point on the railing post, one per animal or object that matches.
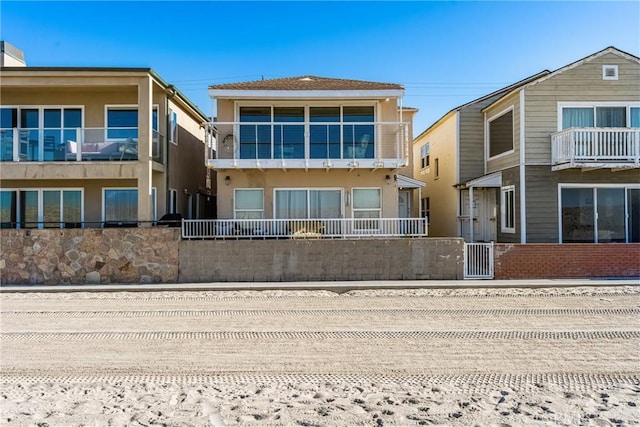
(16, 145)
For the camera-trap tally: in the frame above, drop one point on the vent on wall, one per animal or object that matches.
(609, 72)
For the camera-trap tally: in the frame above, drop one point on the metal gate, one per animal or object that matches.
(478, 260)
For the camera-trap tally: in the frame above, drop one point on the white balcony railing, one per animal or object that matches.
(303, 145)
(74, 144)
(303, 228)
(595, 147)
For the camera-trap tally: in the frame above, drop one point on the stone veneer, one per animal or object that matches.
(112, 255)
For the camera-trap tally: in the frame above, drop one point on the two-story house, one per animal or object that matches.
(94, 147)
(559, 157)
(308, 148)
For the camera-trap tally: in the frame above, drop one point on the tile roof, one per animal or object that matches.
(308, 83)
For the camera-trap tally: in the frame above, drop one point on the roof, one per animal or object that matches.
(146, 70)
(485, 97)
(308, 83)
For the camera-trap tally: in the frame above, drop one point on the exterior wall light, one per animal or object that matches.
(388, 179)
(227, 180)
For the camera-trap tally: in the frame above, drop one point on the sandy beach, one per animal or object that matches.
(549, 356)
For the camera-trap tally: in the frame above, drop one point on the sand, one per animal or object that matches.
(555, 356)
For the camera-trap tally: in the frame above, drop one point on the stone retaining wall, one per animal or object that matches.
(110, 255)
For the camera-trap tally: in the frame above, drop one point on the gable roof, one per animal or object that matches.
(485, 97)
(308, 83)
(608, 50)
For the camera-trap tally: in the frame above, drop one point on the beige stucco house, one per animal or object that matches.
(305, 148)
(554, 158)
(94, 147)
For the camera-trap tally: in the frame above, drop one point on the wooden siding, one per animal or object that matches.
(542, 196)
(510, 176)
(583, 83)
(513, 159)
(471, 141)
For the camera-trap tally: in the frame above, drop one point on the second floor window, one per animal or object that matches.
(600, 116)
(501, 134)
(122, 122)
(424, 156)
(294, 132)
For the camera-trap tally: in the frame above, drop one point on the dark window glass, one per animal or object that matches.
(8, 118)
(289, 139)
(577, 215)
(324, 137)
(358, 139)
(501, 134)
(73, 118)
(29, 119)
(255, 139)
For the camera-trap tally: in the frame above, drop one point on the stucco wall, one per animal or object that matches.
(115, 255)
(310, 260)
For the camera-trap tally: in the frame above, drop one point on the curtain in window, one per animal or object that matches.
(635, 118)
(248, 204)
(291, 204)
(324, 203)
(577, 118)
(611, 117)
(121, 205)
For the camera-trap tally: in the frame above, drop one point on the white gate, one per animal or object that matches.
(478, 260)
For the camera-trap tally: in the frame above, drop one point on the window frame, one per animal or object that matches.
(235, 210)
(128, 107)
(628, 105)
(595, 186)
(606, 67)
(173, 126)
(425, 156)
(173, 201)
(104, 198)
(493, 118)
(40, 200)
(508, 210)
(308, 199)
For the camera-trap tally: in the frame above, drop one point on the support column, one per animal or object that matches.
(471, 214)
(145, 110)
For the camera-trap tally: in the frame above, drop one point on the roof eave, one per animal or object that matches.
(302, 94)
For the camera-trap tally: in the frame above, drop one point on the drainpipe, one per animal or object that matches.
(170, 92)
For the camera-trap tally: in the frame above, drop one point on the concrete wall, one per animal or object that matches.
(294, 260)
(577, 260)
(114, 255)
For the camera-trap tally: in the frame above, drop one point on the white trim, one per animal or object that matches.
(493, 179)
(171, 114)
(606, 67)
(304, 94)
(353, 210)
(457, 162)
(523, 177)
(503, 209)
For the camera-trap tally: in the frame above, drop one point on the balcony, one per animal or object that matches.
(74, 145)
(309, 145)
(325, 228)
(592, 148)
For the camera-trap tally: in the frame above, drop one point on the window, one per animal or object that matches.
(367, 206)
(424, 156)
(602, 116)
(120, 205)
(501, 134)
(508, 209)
(248, 203)
(609, 72)
(173, 127)
(600, 214)
(436, 165)
(308, 203)
(425, 209)
(122, 122)
(41, 208)
(173, 201)
(280, 132)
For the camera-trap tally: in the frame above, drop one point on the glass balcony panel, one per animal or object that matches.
(6, 145)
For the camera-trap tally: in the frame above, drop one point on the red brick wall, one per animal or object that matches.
(567, 260)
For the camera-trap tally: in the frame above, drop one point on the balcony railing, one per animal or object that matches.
(74, 145)
(304, 145)
(595, 148)
(333, 228)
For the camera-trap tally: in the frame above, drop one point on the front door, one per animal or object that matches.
(484, 215)
(404, 204)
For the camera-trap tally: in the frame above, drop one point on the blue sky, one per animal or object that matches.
(444, 53)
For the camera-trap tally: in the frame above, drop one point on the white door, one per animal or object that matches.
(486, 215)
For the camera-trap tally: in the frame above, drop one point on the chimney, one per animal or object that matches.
(11, 56)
